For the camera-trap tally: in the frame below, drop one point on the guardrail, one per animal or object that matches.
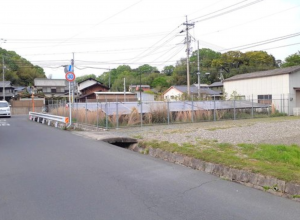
(47, 118)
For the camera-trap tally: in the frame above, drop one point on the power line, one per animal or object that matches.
(96, 51)
(99, 23)
(155, 43)
(206, 7)
(288, 45)
(219, 10)
(227, 12)
(246, 46)
(205, 34)
(176, 53)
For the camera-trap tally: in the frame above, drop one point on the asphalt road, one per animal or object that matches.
(50, 174)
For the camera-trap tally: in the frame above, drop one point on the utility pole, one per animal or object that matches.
(73, 67)
(198, 73)
(124, 90)
(109, 79)
(188, 54)
(3, 67)
(140, 89)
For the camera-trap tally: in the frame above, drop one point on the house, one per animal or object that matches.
(175, 93)
(134, 88)
(280, 88)
(217, 86)
(52, 87)
(88, 87)
(8, 90)
(116, 97)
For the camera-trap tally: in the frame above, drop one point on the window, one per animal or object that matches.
(53, 90)
(264, 99)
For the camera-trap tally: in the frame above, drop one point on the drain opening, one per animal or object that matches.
(121, 142)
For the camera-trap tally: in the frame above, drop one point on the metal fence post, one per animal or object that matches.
(192, 109)
(85, 110)
(97, 115)
(214, 108)
(168, 113)
(117, 113)
(106, 117)
(288, 102)
(56, 107)
(234, 116)
(252, 113)
(283, 103)
(141, 114)
(77, 113)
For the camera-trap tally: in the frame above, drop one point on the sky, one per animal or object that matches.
(103, 34)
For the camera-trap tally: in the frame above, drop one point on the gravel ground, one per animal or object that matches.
(282, 130)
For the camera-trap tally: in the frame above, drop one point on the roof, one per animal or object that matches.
(124, 108)
(139, 86)
(194, 90)
(114, 93)
(49, 82)
(90, 79)
(274, 72)
(19, 88)
(6, 84)
(96, 83)
(216, 84)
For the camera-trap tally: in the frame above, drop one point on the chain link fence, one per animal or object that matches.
(121, 114)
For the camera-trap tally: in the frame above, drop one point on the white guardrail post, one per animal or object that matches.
(47, 118)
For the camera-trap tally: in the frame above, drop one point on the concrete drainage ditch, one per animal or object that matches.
(123, 142)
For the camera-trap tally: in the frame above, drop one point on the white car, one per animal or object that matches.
(5, 109)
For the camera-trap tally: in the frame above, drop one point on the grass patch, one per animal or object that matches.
(279, 161)
(218, 128)
(138, 137)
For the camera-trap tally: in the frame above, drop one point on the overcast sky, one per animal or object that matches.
(107, 33)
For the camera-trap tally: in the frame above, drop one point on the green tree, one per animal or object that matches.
(160, 83)
(20, 71)
(168, 70)
(292, 60)
(82, 78)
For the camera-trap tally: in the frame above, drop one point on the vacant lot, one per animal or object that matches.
(281, 130)
(268, 146)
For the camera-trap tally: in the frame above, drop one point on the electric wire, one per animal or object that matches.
(218, 10)
(137, 56)
(84, 31)
(227, 12)
(246, 46)
(231, 27)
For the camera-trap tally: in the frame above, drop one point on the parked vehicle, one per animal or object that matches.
(5, 109)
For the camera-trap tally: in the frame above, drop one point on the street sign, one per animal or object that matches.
(70, 76)
(69, 68)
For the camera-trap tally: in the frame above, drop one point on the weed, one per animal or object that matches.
(296, 196)
(279, 161)
(266, 188)
(138, 137)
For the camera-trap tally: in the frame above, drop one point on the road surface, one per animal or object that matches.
(50, 174)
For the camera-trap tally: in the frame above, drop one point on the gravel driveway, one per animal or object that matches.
(281, 130)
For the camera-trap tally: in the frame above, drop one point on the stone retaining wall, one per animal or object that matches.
(258, 181)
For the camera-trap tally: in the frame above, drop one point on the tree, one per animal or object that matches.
(146, 69)
(85, 77)
(292, 60)
(160, 83)
(18, 70)
(168, 70)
